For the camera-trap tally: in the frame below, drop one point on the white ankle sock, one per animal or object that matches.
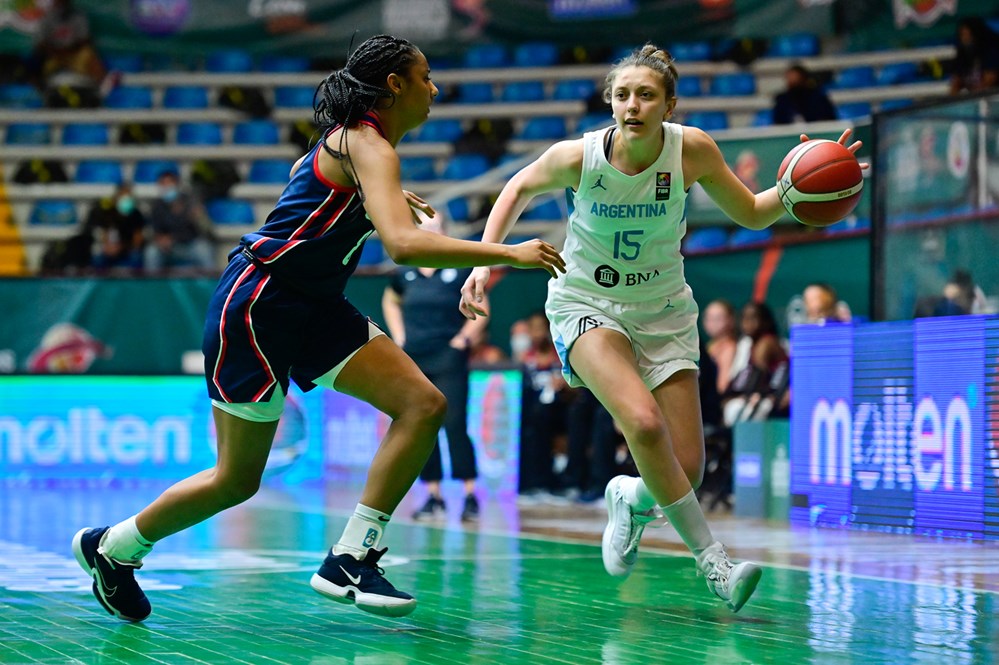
(363, 532)
(637, 494)
(124, 543)
(686, 517)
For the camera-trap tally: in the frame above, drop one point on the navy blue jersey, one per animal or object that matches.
(313, 237)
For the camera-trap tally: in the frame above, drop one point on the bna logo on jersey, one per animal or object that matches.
(663, 180)
(606, 276)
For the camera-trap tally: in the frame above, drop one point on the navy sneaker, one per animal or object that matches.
(114, 582)
(434, 510)
(470, 513)
(347, 580)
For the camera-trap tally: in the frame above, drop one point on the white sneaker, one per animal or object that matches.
(733, 583)
(624, 529)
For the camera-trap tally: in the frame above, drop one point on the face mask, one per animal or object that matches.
(169, 195)
(125, 205)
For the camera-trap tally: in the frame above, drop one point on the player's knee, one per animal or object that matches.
(234, 490)
(435, 407)
(644, 427)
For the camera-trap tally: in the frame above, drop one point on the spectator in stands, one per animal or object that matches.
(760, 355)
(802, 100)
(63, 45)
(719, 325)
(822, 305)
(976, 66)
(116, 226)
(181, 236)
(484, 352)
(960, 296)
(544, 424)
(419, 310)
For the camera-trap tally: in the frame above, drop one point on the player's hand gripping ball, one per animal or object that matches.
(819, 182)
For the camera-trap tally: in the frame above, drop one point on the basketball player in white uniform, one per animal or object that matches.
(622, 316)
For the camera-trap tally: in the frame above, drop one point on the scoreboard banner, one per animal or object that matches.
(892, 426)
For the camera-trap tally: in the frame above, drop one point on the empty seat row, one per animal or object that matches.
(224, 61)
(63, 212)
(251, 132)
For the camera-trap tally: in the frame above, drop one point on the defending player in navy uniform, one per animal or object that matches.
(279, 313)
(622, 315)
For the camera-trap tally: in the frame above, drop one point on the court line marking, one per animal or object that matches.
(652, 549)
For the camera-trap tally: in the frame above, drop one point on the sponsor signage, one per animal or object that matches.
(891, 426)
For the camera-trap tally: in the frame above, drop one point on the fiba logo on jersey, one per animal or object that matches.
(663, 181)
(606, 276)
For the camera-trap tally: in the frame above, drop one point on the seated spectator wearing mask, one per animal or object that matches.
(180, 232)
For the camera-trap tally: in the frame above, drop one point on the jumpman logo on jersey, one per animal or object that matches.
(599, 183)
(669, 304)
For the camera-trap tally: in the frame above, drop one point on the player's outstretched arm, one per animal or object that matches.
(377, 167)
(704, 161)
(558, 168)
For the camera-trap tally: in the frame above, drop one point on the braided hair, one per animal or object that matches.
(657, 59)
(344, 96)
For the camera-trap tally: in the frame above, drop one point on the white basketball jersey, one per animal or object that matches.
(623, 238)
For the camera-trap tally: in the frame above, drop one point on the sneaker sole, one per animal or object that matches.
(744, 588)
(91, 572)
(379, 605)
(613, 564)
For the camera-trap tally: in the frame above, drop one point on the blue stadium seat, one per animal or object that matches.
(742, 237)
(689, 86)
(283, 64)
(293, 96)
(854, 77)
(852, 110)
(270, 171)
(28, 133)
(594, 120)
(230, 211)
(524, 91)
(688, 51)
(763, 118)
(893, 104)
(185, 97)
(98, 171)
(794, 46)
(545, 211)
(458, 209)
(851, 223)
(535, 54)
(464, 167)
(85, 134)
(728, 85)
(446, 130)
(419, 169)
(256, 132)
(478, 92)
(53, 212)
(707, 239)
(18, 96)
(129, 97)
(708, 120)
(148, 170)
(544, 127)
(898, 72)
(229, 61)
(574, 89)
(372, 253)
(486, 55)
(199, 133)
(129, 63)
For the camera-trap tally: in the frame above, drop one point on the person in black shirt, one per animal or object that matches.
(116, 225)
(419, 308)
(803, 100)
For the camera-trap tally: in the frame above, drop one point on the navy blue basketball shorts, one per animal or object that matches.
(259, 334)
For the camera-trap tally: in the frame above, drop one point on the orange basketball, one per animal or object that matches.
(819, 182)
